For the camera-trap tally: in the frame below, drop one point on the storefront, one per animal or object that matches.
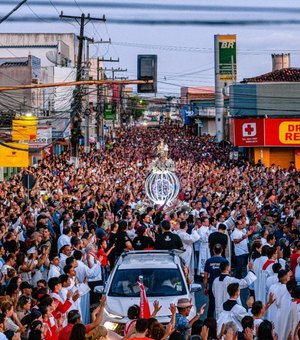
(271, 140)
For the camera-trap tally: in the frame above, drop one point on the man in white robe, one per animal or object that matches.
(221, 283)
(232, 310)
(279, 314)
(204, 231)
(260, 283)
(294, 314)
(271, 280)
(188, 240)
(267, 271)
(68, 286)
(83, 273)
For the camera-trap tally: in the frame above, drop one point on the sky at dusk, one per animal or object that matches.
(185, 52)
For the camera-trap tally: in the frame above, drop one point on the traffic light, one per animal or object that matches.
(76, 135)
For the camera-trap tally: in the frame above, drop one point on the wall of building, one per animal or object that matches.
(12, 76)
(265, 99)
(22, 44)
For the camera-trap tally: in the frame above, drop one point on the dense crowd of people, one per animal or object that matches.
(235, 223)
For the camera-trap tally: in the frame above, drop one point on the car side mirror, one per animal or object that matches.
(99, 289)
(195, 287)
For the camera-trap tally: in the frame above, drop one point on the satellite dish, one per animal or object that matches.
(53, 57)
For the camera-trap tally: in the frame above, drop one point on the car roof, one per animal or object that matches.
(149, 259)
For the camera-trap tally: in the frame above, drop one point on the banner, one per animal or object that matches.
(12, 156)
(24, 128)
(116, 93)
(144, 305)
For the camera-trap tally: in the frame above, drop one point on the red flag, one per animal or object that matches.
(144, 305)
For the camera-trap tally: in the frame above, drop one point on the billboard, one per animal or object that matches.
(14, 155)
(225, 49)
(147, 70)
(266, 132)
(24, 128)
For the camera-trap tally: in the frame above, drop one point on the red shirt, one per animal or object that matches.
(65, 333)
(52, 333)
(104, 261)
(293, 264)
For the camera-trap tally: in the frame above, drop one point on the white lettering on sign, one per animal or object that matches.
(227, 44)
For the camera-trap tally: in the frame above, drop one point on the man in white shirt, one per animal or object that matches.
(54, 270)
(196, 212)
(65, 238)
(240, 239)
(65, 252)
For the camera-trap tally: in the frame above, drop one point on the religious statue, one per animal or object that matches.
(162, 185)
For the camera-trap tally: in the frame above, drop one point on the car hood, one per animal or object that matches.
(119, 306)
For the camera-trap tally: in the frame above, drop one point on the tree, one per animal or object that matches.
(136, 106)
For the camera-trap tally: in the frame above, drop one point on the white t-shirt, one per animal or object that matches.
(242, 247)
(3, 336)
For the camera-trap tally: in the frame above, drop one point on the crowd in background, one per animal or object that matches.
(238, 224)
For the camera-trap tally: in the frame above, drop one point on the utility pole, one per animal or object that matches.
(87, 108)
(100, 99)
(76, 114)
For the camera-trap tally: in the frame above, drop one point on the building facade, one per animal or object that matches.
(265, 117)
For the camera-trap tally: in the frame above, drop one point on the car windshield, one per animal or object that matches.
(158, 282)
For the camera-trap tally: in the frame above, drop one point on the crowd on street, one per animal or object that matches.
(236, 226)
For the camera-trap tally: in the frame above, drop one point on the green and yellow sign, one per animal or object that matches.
(109, 112)
(227, 57)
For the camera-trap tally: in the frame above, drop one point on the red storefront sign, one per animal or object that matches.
(282, 132)
(266, 132)
(248, 132)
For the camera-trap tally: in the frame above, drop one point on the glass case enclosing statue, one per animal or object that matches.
(162, 185)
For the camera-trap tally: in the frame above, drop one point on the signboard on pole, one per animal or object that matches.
(24, 128)
(226, 50)
(14, 155)
(109, 112)
(147, 70)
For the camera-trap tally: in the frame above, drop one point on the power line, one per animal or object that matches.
(173, 22)
(166, 7)
(12, 11)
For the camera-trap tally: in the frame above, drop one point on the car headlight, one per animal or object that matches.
(110, 325)
(111, 315)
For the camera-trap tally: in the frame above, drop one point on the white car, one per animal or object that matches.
(163, 279)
